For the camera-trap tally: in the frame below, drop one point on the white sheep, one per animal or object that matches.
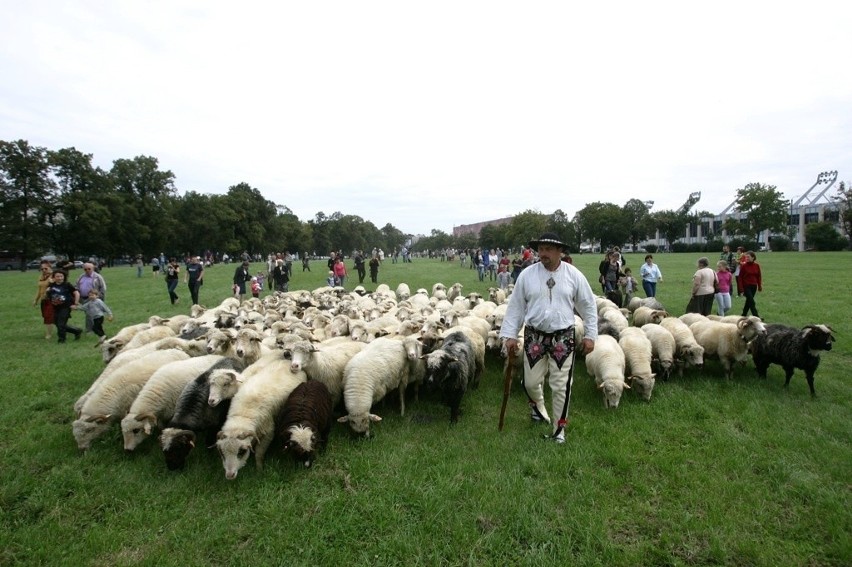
(250, 425)
(249, 346)
(651, 302)
(612, 321)
(111, 400)
(662, 348)
(324, 362)
(726, 341)
(497, 295)
(690, 318)
(606, 364)
(149, 336)
(484, 309)
(637, 355)
(380, 367)
(688, 351)
(454, 292)
(644, 315)
(403, 291)
(192, 348)
(155, 404)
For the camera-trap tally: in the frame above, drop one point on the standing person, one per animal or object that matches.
(63, 296)
(727, 255)
(610, 269)
(374, 268)
(741, 259)
(155, 266)
(139, 265)
(306, 262)
(752, 281)
(45, 279)
(628, 285)
(703, 288)
(279, 276)
(194, 277)
(492, 265)
(172, 276)
(650, 274)
(359, 266)
(90, 280)
(95, 310)
(256, 287)
(331, 281)
(241, 276)
(543, 303)
(723, 293)
(340, 271)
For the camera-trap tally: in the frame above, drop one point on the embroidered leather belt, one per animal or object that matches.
(558, 344)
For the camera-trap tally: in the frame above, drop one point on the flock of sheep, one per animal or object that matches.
(245, 374)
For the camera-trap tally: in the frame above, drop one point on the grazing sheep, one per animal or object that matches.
(651, 302)
(156, 402)
(728, 342)
(250, 425)
(606, 364)
(637, 355)
(380, 367)
(114, 395)
(450, 369)
(305, 421)
(792, 348)
(690, 318)
(611, 321)
(114, 344)
(323, 362)
(688, 351)
(662, 348)
(194, 414)
(149, 336)
(644, 315)
(403, 291)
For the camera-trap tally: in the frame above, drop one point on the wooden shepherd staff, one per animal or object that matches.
(507, 386)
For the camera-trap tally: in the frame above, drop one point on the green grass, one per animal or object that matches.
(710, 472)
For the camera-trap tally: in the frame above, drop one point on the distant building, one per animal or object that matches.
(477, 227)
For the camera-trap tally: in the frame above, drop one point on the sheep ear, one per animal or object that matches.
(626, 385)
(343, 419)
(600, 386)
(374, 417)
(99, 418)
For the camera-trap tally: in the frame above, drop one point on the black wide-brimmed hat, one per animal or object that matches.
(548, 238)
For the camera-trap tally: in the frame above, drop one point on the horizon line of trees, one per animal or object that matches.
(57, 201)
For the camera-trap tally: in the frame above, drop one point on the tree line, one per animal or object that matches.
(56, 200)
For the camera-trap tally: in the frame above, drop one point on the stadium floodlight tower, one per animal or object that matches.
(694, 197)
(827, 178)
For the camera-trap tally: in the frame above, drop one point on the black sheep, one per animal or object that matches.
(305, 420)
(791, 348)
(450, 369)
(193, 414)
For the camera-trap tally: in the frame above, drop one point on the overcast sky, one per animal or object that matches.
(435, 114)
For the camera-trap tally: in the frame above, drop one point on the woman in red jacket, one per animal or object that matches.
(751, 281)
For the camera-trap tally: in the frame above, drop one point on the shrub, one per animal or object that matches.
(651, 248)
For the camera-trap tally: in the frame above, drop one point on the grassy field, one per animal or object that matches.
(710, 472)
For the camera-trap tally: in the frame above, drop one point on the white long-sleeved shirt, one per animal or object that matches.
(533, 304)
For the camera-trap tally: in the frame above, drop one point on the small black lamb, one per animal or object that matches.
(305, 420)
(791, 348)
(193, 415)
(450, 369)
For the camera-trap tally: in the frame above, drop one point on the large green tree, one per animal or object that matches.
(28, 199)
(603, 222)
(636, 217)
(671, 224)
(763, 207)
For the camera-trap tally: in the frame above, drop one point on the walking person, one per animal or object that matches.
(340, 271)
(280, 277)
(543, 303)
(95, 310)
(650, 274)
(723, 291)
(241, 277)
(374, 269)
(194, 277)
(359, 266)
(172, 276)
(703, 288)
(63, 296)
(752, 281)
(45, 279)
(90, 280)
(306, 262)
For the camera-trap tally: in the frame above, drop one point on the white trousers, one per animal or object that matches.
(560, 388)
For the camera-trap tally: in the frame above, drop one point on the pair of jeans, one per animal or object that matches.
(171, 285)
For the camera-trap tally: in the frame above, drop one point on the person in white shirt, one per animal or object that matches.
(543, 303)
